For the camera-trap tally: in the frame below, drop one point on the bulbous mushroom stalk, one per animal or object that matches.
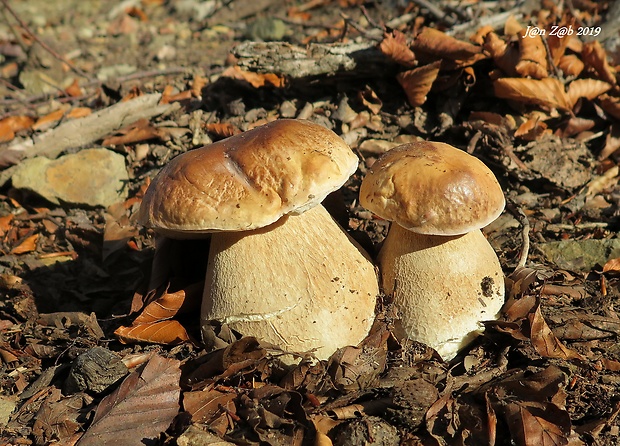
(443, 274)
(280, 268)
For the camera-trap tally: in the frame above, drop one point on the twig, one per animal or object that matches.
(525, 232)
(437, 12)
(40, 42)
(92, 83)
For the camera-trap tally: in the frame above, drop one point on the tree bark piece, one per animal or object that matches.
(282, 58)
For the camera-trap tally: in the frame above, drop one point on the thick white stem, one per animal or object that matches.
(301, 283)
(443, 287)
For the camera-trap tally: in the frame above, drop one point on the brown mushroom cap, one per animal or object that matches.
(249, 180)
(432, 188)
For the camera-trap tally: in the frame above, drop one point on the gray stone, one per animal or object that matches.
(580, 254)
(93, 177)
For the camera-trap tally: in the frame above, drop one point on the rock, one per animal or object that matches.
(580, 254)
(7, 406)
(93, 177)
(95, 371)
(367, 431)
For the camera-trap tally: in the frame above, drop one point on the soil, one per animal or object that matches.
(546, 372)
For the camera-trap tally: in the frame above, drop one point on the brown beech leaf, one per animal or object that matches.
(169, 332)
(547, 92)
(533, 60)
(140, 130)
(140, 409)
(594, 55)
(257, 80)
(394, 46)
(438, 43)
(29, 244)
(79, 112)
(586, 88)
(610, 104)
(571, 65)
(12, 124)
(505, 55)
(418, 82)
(170, 304)
(370, 100)
(212, 408)
(531, 130)
(545, 342)
(612, 265)
(532, 425)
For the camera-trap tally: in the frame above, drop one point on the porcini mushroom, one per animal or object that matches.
(444, 276)
(280, 268)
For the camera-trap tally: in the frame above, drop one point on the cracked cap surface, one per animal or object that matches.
(249, 180)
(432, 188)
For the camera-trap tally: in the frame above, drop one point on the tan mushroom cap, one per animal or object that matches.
(432, 188)
(249, 180)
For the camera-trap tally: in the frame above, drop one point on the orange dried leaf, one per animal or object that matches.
(18, 123)
(222, 129)
(6, 132)
(611, 105)
(418, 82)
(531, 130)
(257, 80)
(141, 130)
(533, 56)
(370, 100)
(480, 35)
(438, 43)
(505, 55)
(571, 65)
(198, 83)
(170, 304)
(586, 88)
(48, 120)
(394, 46)
(5, 224)
(79, 112)
(612, 265)
(512, 27)
(547, 92)
(74, 90)
(594, 55)
(169, 332)
(29, 244)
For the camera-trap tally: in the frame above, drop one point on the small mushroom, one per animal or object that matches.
(280, 267)
(444, 276)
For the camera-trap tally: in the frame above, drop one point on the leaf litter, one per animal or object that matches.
(541, 112)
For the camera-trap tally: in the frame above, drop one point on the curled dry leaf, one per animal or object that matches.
(212, 408)
(257, 80)
(532, 129)
(418, 82)
(586, 88)
(222, 129)
(571, 65)
(48, 120)
(394, 46)
(370, 100)
(140, 409)
(533, 59)
(612, 265)
(594, 55)
(505, 55)
(438, 43)
(610, 104)
(546, 92)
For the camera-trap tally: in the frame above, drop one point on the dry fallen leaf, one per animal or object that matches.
(594, 55)
(140, 409)
(394, 46)
(612, 265)
(435, 42)
(48, 120)
(571, 65)
(13, 124)
(29, 244)
(168, 332)
(547, 92)
(257, 80)
(222, 129)
(610, 104)
(418, 82)
(545, 342)
(586, 88)
(533, 59)
(505, 55)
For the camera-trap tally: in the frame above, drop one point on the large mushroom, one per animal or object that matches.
(444, 276)
(280, 268)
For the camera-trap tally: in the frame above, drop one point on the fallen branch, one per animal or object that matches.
(83, 131)
(281, 58)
